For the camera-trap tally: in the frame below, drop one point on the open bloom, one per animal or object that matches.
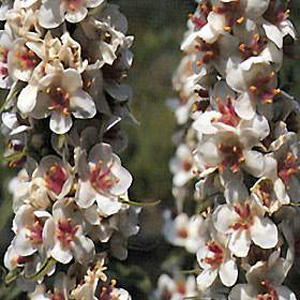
(181, 166)
(285, 165)
(244, 224)
(64, 238)
(265, 281)
(215, 259)
(175, 288)
(56, 175)
(227, 143)
(184, 231)
(58, 95)
(103, 179)
(28, 226)
(52, 13)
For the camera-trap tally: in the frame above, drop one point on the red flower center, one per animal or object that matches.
(270, 294)
(253, 47)
(218, 254)
(66, 231)
(55, 178)
(60, 100)
(263, 88)
(36, 232)
(26, 58)
(265, 191)
(229, 115)
(73, 5)
(246, 219)
(232, 157)
(102, 178)
(288, 167)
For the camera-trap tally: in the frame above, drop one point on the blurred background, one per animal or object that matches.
(158, 27)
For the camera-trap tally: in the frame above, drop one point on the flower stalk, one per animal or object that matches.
(63, 64)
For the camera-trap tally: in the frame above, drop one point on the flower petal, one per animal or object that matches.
(239, 243)
(206, 278)
(59, 123)
(264, 233)
(228, 273)
(27, 99)
(82, 105)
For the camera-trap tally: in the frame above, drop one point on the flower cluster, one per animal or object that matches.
(237, 140)
(63, 63)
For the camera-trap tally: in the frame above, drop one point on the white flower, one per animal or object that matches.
(86, 289)
(225, 147)
(102, 179)
(60, 95)
(176, 288)
(28, 191)
(265, 281)
(277, 25)
(6, 44)
(256, 81)
(5, 6)
(181, 165)
(100, 40)
(215, 259)
(269, 195)
(125, 224)
(243, 224)
(52, 13)
(64, 238)
(28, 226)
(285, 165)
(21, 61)
(184, 231)
(23, 23)
(56, 175)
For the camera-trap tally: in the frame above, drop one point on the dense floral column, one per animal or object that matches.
(237, 141)
(63, 63)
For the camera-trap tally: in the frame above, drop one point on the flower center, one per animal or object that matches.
(229, 115)
(186, 165)
(26, 58)
(107, 290)
(180, 287)
(253, 48)
(217, 254)
(265, 190)
(288, 167)
(102, 179)
(60, 100)
(246, 219)
(263, 89)
(210, 52)
(3, 54)
(3, 71)
(73, 5)
(57, 296)
(55, 178)
(233, 157)
(182, 233)
(270, 294)
(36, 232)
(66, 231)
(232, 12)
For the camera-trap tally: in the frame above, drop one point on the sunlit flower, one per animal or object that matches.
(58, 95)
(64, 237)
(243, 224)
(102, 179)
(52, 13)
